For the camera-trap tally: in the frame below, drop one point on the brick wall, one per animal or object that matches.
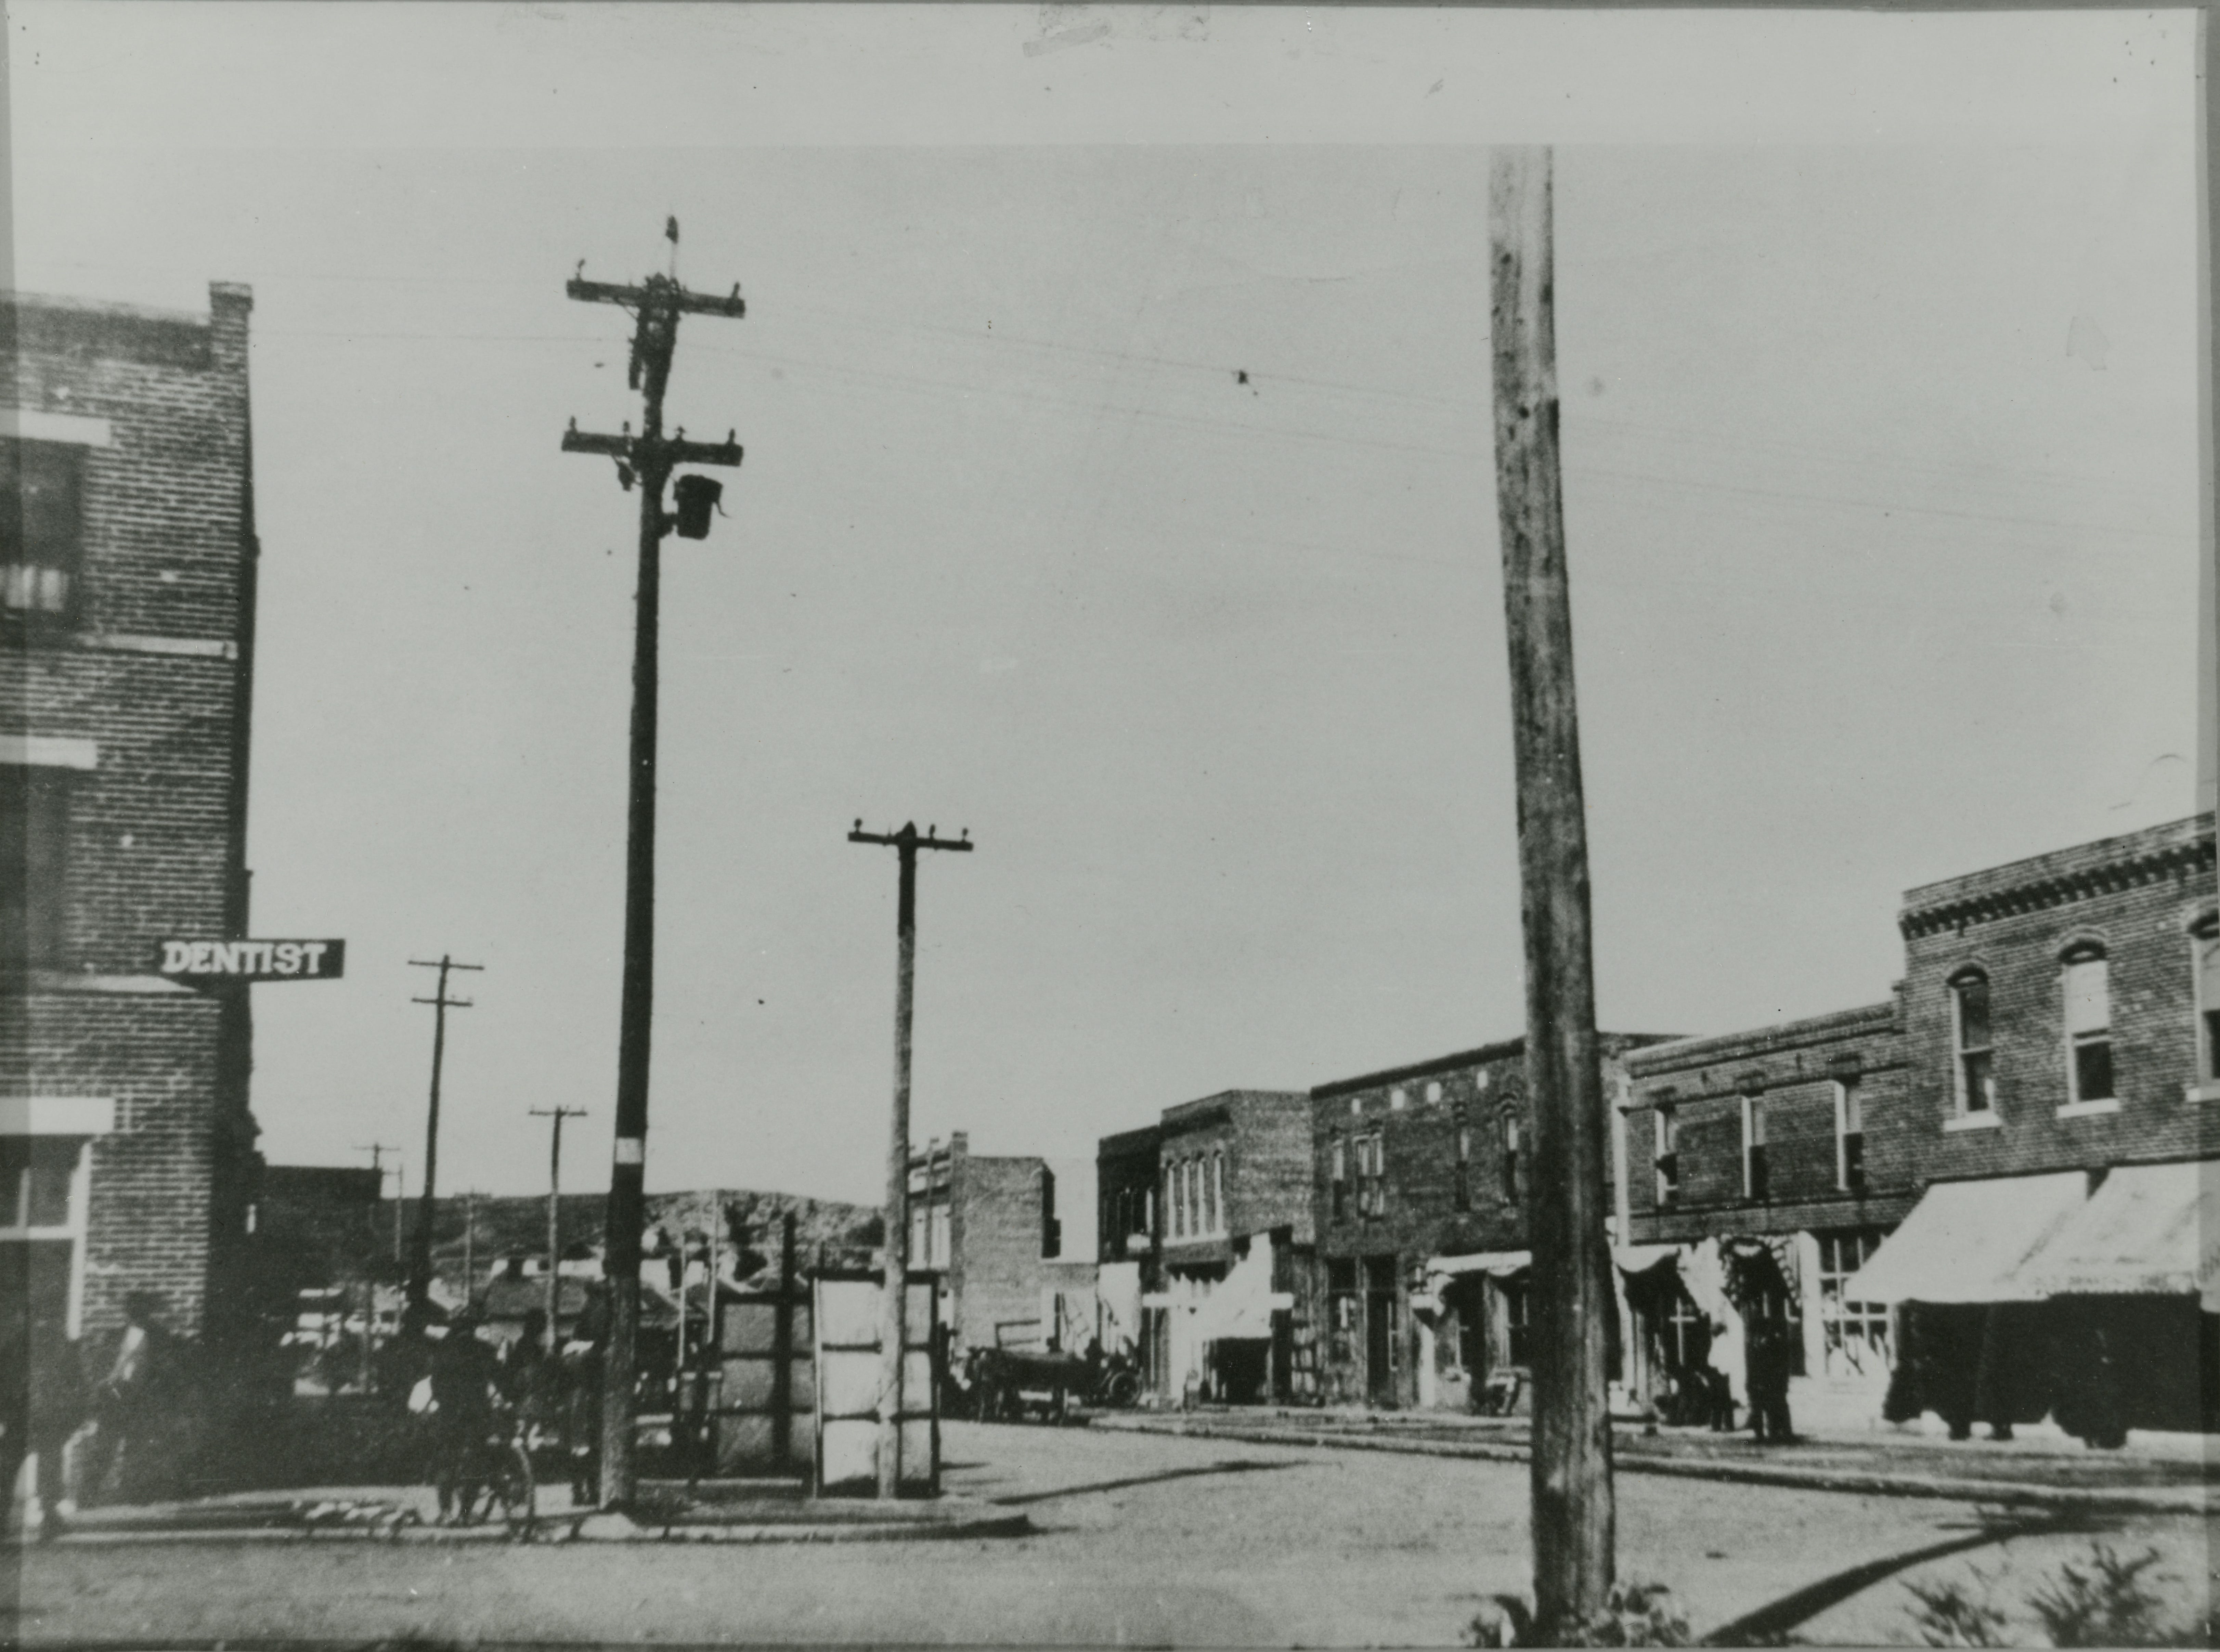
(150, 669)
(1791, 1070)
(998, 1213)
(2135, 895)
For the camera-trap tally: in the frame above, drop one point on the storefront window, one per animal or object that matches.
(1854, 1335)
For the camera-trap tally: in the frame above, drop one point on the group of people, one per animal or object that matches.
(121, 1424)
(471, 1389)
(1700, 1395)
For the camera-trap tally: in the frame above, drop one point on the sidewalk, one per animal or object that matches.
(2165, 1474)
(718, 1512)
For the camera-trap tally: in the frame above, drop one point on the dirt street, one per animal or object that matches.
(1141, 1539)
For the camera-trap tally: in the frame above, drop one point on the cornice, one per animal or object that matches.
(2048, 889)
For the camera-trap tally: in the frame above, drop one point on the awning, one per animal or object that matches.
(1497, 1263)
(2151, 1230)
(1634, 1259)
(1965, 1240)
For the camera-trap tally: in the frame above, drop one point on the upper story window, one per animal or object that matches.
(1667, 1154)
(1461, 1187)
(1052, 1229)
(1756, 1180)
(1513, 1172)
(39, 526)
(1172, 1201)
(2204, 962)
(1337, 1176)
(2088, 1024)
(1371, 1176)
(1974, 1065)
(33, 862)
(1217, 1221)
(1850, 1137)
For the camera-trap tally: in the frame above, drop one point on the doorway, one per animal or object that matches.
(1380, 1329)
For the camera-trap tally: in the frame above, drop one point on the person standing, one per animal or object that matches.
(465, 1375)
(1769, 1381)
(44, 1404)
(127, 1405)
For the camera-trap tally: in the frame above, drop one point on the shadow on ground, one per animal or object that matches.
(1771, 1622)
(1230, 1465)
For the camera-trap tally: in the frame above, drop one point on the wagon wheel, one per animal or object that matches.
(1122, 1389)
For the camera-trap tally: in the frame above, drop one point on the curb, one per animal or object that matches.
(2137, 1499)
(561, 1530)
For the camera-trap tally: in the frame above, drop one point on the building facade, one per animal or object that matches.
(1982, 1200)
(1764, 1168)
(1420, 1177)
(1234, 1238)
(2059, 1018)
(126, 590)
(1012, 1239)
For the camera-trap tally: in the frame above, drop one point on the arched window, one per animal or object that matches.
(2205, 963)
(2087, 984)
(1975, 1069)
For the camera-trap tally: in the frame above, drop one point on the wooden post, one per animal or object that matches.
(894, 1286)
(1572, 1514)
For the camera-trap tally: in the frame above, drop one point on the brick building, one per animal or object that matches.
(1982, 1199)
(1130, 1237)
(1014, 1241)
(1420, 1178)
(1777, 1158)
(1233, 1240)
(2059, 1014)
(126, 590)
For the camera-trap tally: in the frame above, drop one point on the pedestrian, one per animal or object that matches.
(1768, 1382)
(129, 1406)
(582, 1431)
(465, 1380)
(44, 1403)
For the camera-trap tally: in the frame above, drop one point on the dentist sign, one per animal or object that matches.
(214, 961)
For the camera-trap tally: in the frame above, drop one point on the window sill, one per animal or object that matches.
(1973, 1121)
(2208, 1091)
(2090, 1109)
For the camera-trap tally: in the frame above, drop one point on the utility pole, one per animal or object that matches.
(555, 1116)
(647, 460)
(893, 1293)
(1574, 1513)
(419, 1266)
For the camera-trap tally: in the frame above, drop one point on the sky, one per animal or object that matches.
(1878, 344)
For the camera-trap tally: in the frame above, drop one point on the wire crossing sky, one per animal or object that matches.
(1115, 390)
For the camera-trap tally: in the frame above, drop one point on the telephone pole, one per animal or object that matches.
(420, 1264)
(555, 1116)
(1573, 1515)
(647, 460)
(895, 1288)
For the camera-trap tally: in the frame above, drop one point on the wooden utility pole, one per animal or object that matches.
(1573, 1515)
(419, 1266)
(646, 460)
(895, 1289)
(555, 1116)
